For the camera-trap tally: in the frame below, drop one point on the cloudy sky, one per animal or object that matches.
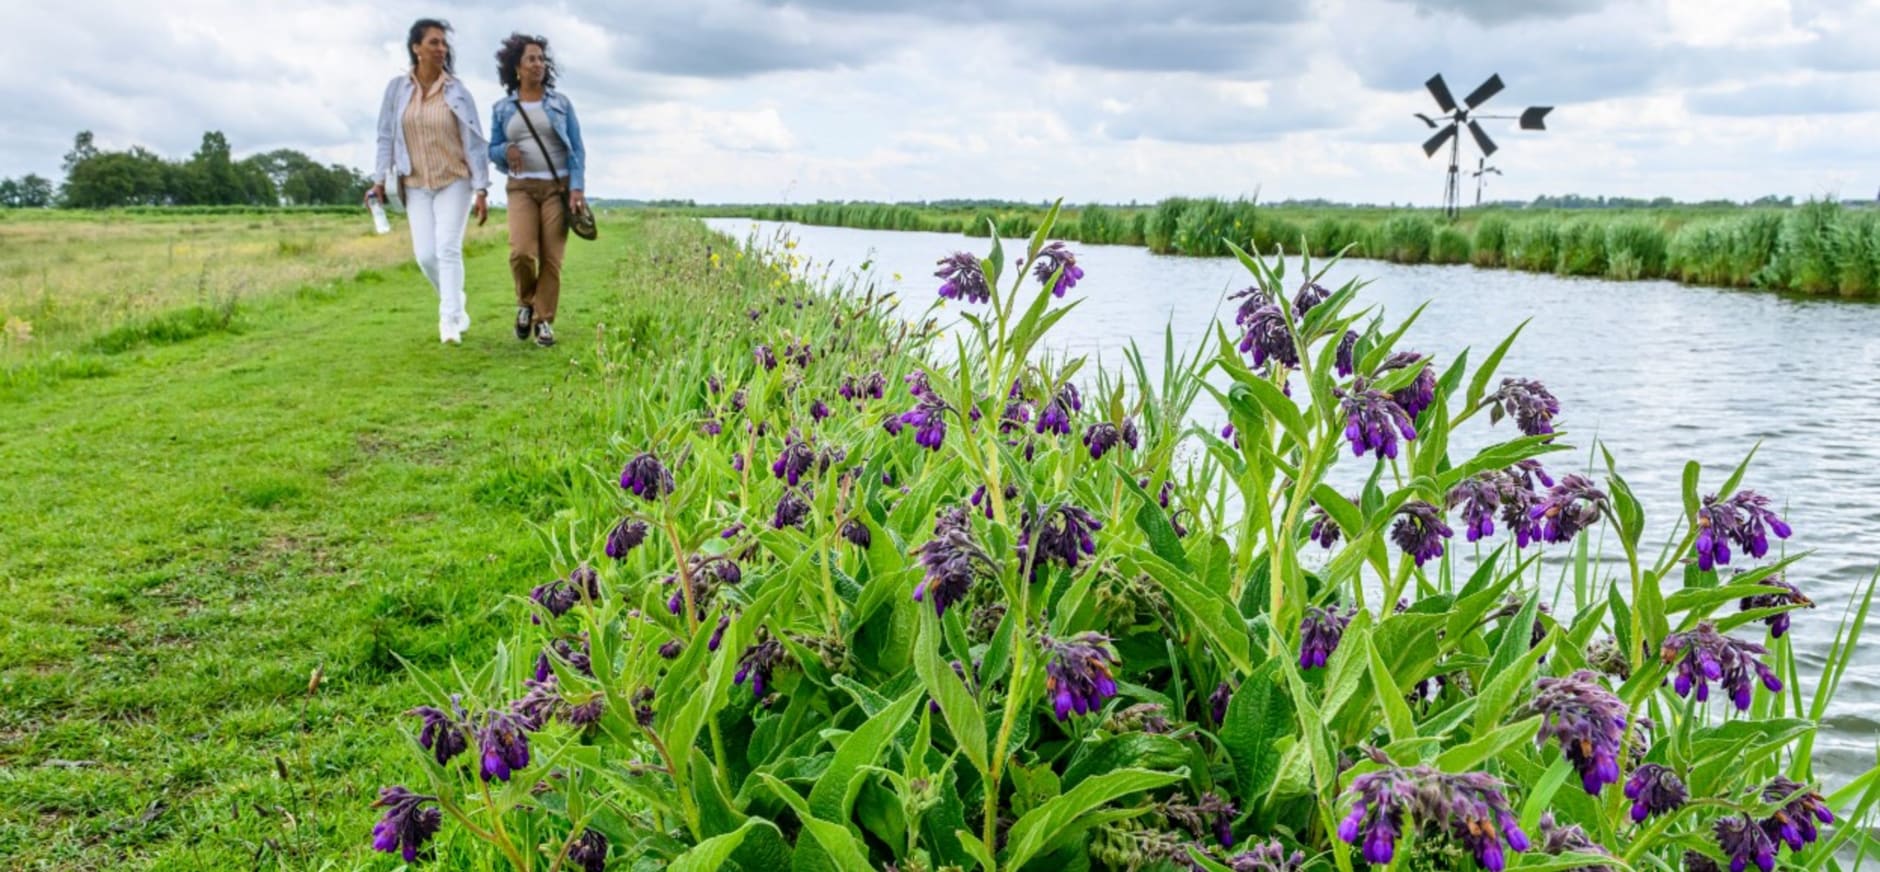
(1092, 100)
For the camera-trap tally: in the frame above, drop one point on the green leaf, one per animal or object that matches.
(1543, 793)
(1155, 525)
(1126, 751)
(834, 793)
(840, 845)
(1691, 471)
(1478, 386)
(1212, 612)
(994, 265)
(715, 852)
(1489, 746)
(1255, 392)
(1397, 718)
(1736, 478)
(1071, 812)
(1507, 684)
(1044, 229)
(962, 712)
(1340, 510)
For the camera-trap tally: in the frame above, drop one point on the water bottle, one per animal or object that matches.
(379, 221)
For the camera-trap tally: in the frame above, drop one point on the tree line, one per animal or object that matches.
(98, 179)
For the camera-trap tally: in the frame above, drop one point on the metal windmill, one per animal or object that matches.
(1454, 117)
(1482, 169)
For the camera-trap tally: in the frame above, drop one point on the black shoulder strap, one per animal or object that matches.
(538, 137)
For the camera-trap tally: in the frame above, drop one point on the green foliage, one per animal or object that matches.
(1408, 238)
(1635, 249)
(1582, 248)
(1449, 245)
(1490, 245)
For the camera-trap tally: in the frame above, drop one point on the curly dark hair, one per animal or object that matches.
(509, 57)
(418, 29)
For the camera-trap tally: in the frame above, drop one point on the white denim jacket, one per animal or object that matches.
(394, 160)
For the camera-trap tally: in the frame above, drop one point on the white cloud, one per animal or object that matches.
(761, 100)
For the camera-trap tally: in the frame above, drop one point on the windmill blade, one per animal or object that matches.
(1435, 143)
(1493, 170)
(1534, 117)
(1481, 139)
(1482, 92)
(1426, 119)
(1441, 92)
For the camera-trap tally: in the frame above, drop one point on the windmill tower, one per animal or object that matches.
(1482, 169)
(1454, 117)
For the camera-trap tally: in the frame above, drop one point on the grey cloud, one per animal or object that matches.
(1830, 97)
(1496, 12)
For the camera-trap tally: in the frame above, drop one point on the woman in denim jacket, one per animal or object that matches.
(431, 144)
(540, 163)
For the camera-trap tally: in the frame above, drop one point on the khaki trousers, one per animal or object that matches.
(538, 238)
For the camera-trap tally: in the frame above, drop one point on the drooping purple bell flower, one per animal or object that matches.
(963, 278)
(1211, 813)
(1268, 338)
(857, 533)
(1703, 655)
(1571, 506)
(1478, 497)
(757, 663)
(764, 357)
(1218, 700)
(1654, 790)
(1056, 414)
(407, 825)
(1063, 535)
(1783, 594)
(799, 353)
(589, 851)
(1745, 518)
(1420, 531)
(1319, 634)
(1531, 405)
(1557, 839)
(442, 734)
(1373, 421)
(647, 478)
(1794, 823)
(1050, 259)
(624, 537)
(1324, 531)
(929, 419)
(1077, 678)
(1587, 720)
(1345, 359)
(562, 594)
(1100, 438)
(1416, 396)
(792, 511)
(1745, 842)
(1310, 295)
(952, 560)
(504, 742)
(795, 461)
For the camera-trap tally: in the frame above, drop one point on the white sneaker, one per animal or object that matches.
(463, 324)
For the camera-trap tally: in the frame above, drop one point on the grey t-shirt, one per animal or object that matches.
(534, 165)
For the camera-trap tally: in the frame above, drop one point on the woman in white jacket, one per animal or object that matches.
(433, 147)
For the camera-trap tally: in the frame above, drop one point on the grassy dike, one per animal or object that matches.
(208, 524)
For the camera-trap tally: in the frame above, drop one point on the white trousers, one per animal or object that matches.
(438, 218)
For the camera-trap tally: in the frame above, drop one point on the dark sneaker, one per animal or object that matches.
(525, 316)
(544, 334)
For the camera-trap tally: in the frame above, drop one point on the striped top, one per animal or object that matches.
(436, 144)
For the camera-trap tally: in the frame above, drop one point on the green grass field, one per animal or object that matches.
(213, 518)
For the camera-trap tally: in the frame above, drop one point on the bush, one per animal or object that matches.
(1449, 245)
(1490, 243)
(1582, 247)
(1635, 249)
(1533, 245)
(1407, 238)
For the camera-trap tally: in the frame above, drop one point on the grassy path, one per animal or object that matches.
(188, 539)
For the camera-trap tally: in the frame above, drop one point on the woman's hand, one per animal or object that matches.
(377, 190)
(576, 201)
(513, 156)
(481, 208)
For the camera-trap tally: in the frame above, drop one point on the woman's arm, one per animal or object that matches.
(382, 163)
(577, 153)
(499, 137)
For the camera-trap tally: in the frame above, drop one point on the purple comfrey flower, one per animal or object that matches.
(1325, 531)
(1268, 337)
(1385, 798)
(848, 390)
(1478, 497)
(1654, 790)
(1696, 862)
(407, 825)
(819, 410)
(875, 385)
(916, 382)
(795, 461)
(1373, 421)
(585, 714)
(1268, 856)
(737, 462)
(504, 741)
(1051, 258)
(647, 478)
(792, 511)
(540, 703)
(1570, 839)
(1319, 634)
(589, 851)
(1100, 438)
(1056, 414)
(1527, 472)
(1587, 720)
(1784, 594)
(1078, 677)
(892, 424)
(442, 735)
(1703, 655)
(642, 702)
(624, 537)
(714, 384)
(1571, 506)
(1063, 535)
(718, 633)
(1217, 702)
(931, 422)
(1133, 438)
(985, 505)
(737, 400)
(710, 427)
(562, 594)
(952, 560)
(1345, 360)
(757, 663)
(671, 650)
(1017, 415)
(1416, 396)
(857, 533)
(732, 531)
(1529, 402)
(799, 354)
(1420, 531)
(1794, 823)
(765, 357)
(1745, 518)
(1210, 812)
(1745, 842)
(964, 278)
(1310, 294)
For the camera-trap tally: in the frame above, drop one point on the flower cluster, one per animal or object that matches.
(757, 664)
(1570, 506)
(1469, 808)
(1795, 823)
(1051, 259)
(562, 594)
(1557, 839)
(1531, 405)
(1373, 421)
(1704, 655)
(1103, 436)
(442, 734)
(647, 478)
(1078, 678)
(407, 824)
(1654, 790)
(504, 741)
(1055, 416)
(1063, 535)
(624, 537)
(1784, 594)
(1269, 856)
(952, 560)
(764, 356)
(1319, 635)
(1420, 531)
(1745, 518)
(1267, 337)
(1211, 812)
(964, 278)
(1421, 391)
(1588, 721)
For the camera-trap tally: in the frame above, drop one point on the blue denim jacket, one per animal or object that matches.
(560, 116)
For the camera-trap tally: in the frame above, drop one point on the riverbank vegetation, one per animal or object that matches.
(1818, 247)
